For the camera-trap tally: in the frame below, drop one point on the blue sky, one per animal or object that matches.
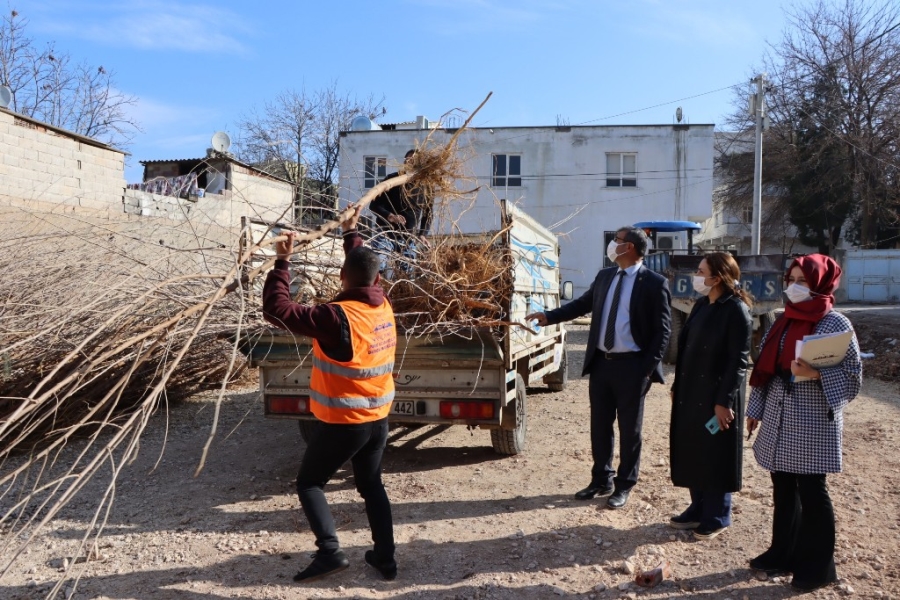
(196, 66)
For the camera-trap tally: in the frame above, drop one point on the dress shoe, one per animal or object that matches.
(765, 565)
(593, 490)
(322, 566)
(804, 587)
(388, 569)
(618, 499)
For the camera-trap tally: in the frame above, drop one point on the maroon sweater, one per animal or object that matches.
(327, 323)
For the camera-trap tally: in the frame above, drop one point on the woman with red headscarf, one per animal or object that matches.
(802, 424)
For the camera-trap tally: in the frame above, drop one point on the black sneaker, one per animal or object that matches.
(683, 522)
(388, 570)
(322, 566)
(705, 533)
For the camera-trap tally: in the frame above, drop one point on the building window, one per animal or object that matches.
(375, 170)
(506, 170)
(620, 170)
(747, 214)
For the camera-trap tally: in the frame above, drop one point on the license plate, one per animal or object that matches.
(404, 408)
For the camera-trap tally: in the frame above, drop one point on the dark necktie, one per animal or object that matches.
(609, 338)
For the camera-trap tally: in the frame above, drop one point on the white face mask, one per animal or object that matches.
(700, 286)
(611, 253)
(797, 293)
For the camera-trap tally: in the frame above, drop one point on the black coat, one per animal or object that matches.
(711, 367)
(403, 200)
(649, 312)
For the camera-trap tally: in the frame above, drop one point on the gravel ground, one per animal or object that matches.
(469, 523)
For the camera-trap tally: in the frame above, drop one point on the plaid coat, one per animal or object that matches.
(803, 423)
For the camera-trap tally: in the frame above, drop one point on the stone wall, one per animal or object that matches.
(222, 209)
(260, 197)
(42, 164)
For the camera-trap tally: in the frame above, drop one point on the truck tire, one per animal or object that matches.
(308, 428)
(678, 319)
(765, 321)
(509, 441)
(557, 380)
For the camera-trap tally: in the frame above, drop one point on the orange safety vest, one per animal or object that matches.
(361, 389)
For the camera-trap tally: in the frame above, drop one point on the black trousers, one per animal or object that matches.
(802, 528)
(331, 446)
(617, 389)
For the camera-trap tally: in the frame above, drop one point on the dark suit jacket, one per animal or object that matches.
(650, 316)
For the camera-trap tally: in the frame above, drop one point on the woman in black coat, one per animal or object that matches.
(705, 444)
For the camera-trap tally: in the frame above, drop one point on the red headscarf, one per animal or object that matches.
(822, 275)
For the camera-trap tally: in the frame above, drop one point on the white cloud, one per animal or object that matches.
(469, 16)
(153, 114)
(678, 22)
(153, 25)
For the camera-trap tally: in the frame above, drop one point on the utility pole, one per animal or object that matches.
(758, 109)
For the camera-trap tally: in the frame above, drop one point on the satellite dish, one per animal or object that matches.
(678, 114)
(5, 96)
(221, 142)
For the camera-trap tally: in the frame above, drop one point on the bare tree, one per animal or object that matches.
(831, 155)
(46, 85)
(297, 136)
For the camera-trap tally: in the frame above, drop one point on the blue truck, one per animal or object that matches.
(761, 276)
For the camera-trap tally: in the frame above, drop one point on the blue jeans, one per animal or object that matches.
(330, 447)
(394, 245)
(711, 509)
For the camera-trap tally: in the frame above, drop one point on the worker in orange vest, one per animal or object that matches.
(351, 390)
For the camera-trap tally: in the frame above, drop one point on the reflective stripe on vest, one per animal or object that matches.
(360, 389)
(350, 372)
(350, 402)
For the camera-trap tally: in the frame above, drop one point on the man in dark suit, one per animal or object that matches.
(630, 327)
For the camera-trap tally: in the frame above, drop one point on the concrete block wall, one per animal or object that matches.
(222, 210)
(43, 165)
(262, 198)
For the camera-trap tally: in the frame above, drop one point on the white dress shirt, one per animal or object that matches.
(623, 340)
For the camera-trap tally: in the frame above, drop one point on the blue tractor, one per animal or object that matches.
(674, 255)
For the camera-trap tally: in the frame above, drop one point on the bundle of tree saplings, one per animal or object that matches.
(104, 319)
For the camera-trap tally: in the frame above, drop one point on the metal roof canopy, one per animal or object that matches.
(669, 226)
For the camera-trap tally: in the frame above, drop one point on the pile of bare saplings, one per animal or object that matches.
(104, 321)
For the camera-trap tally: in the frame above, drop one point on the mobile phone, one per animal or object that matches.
(713, 425)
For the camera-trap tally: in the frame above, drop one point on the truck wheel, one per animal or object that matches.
(308, 428)
(557, 380)
(510, 438)
(765, 321)
(678, 319)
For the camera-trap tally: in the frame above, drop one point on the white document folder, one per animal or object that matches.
(823, 350)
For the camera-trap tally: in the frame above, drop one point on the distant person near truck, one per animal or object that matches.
(630, 325)
(403, 216)
(351, 391)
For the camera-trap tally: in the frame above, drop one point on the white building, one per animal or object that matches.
(583, 182)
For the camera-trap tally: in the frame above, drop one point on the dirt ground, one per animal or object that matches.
(469, 523)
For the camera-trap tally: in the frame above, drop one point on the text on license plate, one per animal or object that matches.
(404, 408)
